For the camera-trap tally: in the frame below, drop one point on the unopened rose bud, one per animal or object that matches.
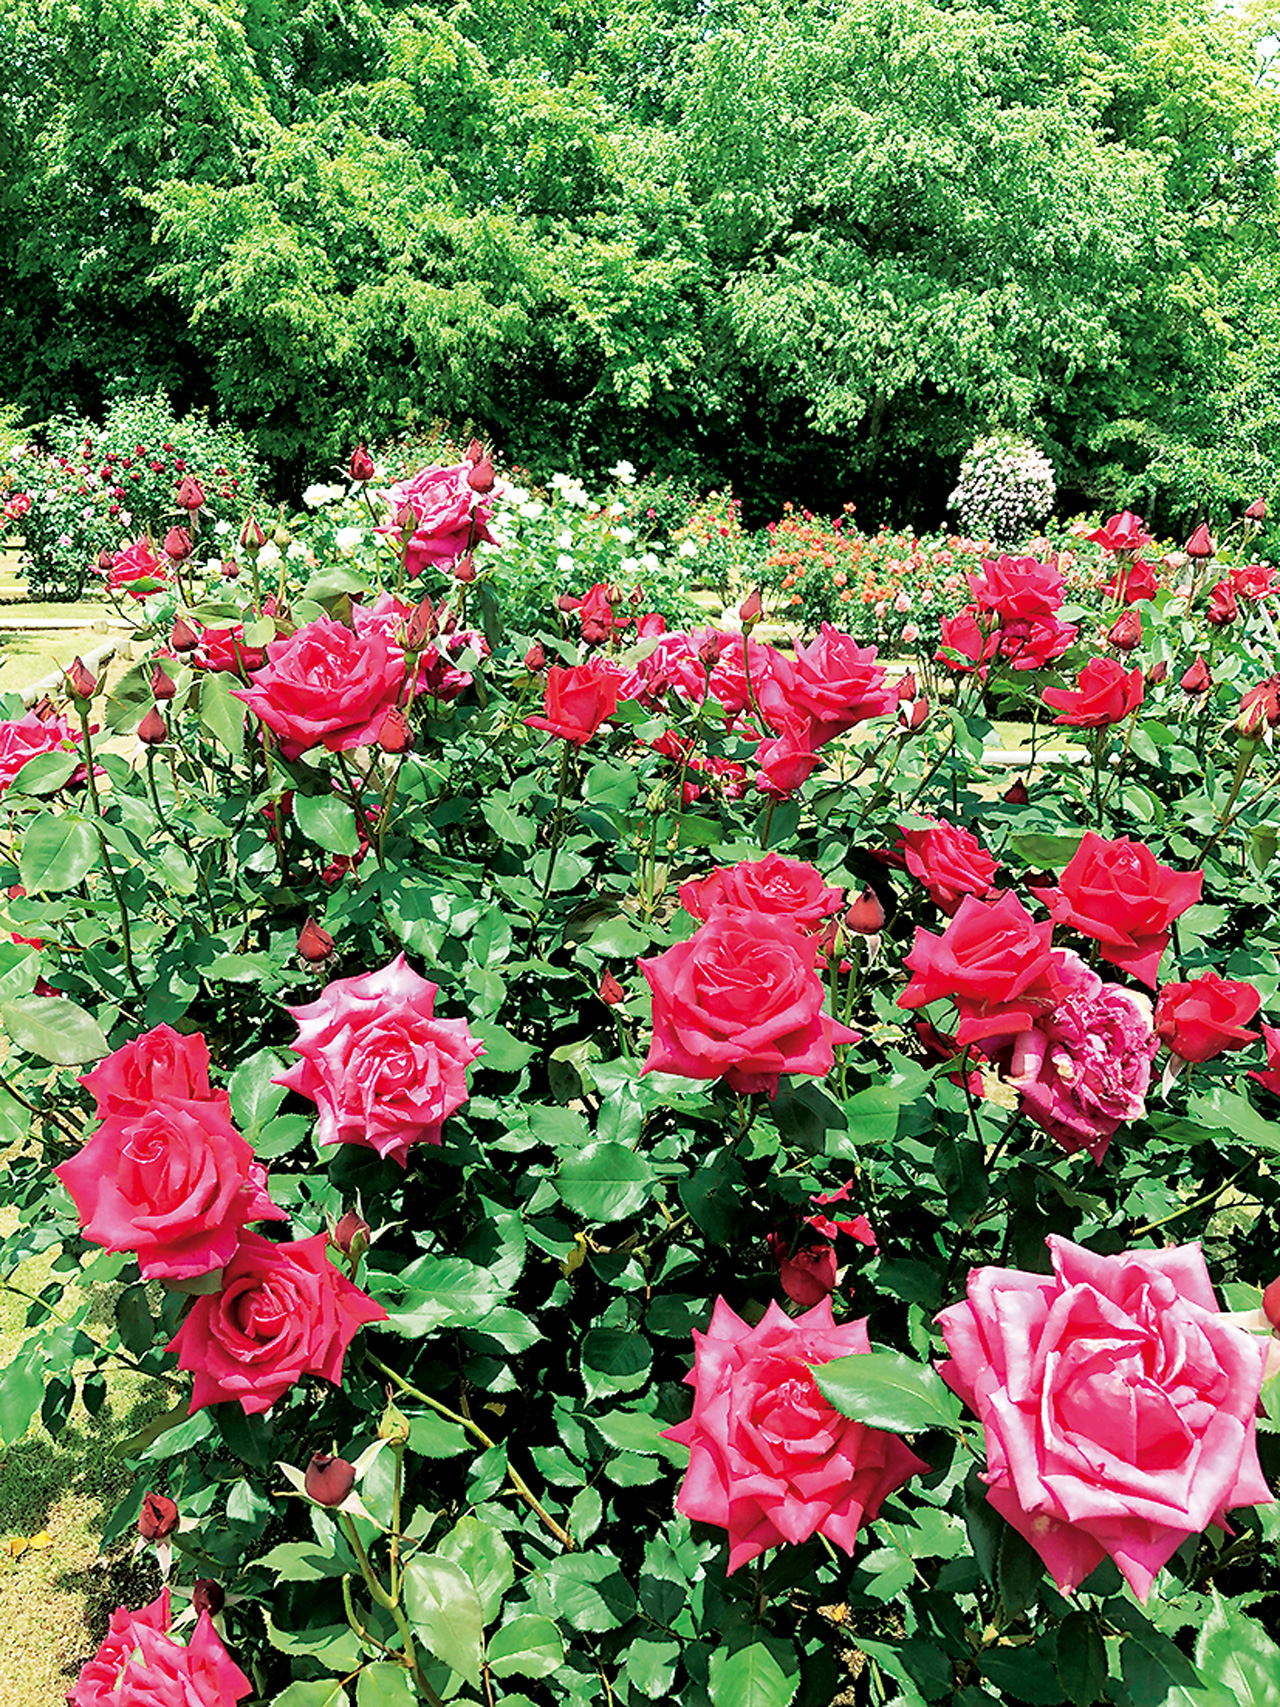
(177, 545)
(1157, 673)
(153, 729)
(314, 943)
(406, 520)
(1262, 701)
(183, 638)
(908, 688)
(709, 651)
(395, 735)
(465, 568)
(751, 607)
(163, 685)
(158, 1517)
(535, 659)
(1251, 721)
(1201, 543)
(474, 452)
(207, 1596)
(252, 537)
(230, 569)
(914, 716)
(1016, 793)
(351, 1235)
(81, 679)
(393, 1425)
(1126, 631)
(1271, 1303)
(566, 602)
(865, 914)
(328, 1480)
(280, 536)
(1257, 511)
(190, 495)
(45, 709)
(1222, 606)
(106, 558)
(361, 465)
(420, 627)
(482, 476)
(611, 992)
(1197, 679)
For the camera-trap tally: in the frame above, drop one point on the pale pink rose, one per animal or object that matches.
(1117, 1403)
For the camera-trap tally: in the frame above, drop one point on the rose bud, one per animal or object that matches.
(465, 568)
(190, 495)
(1016, 793)
(46, 711)
(1197, 679)
(351, 1229)
(406, 520)
(252, 537)
(81, 680)
(163, 685)
(393, 1425)
(314, 943)
(1157, 673)
(611, 992)
(709, 651)
(907, 687)
(866, 914)
(106, 558)
(158, 1517)
(1201, 543)
(1264, 697)
(1271, 1294)
(328, 1480)
(475, 452)
(395, 735)
(1222, 606)
(915, 716)
(177, 544)
(420, 627)
(184, 638)
(207, 1596)
(361, 465)
(230, 569)
(152, 730)
(566, 602)
(1126, 631)
(535, 659)
(1251, 721)
(751, 607)
(481, 477)
(1257, 511)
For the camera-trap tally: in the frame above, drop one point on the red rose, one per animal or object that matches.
(595, 613)
(1131, 582)
(141, 1663)
(808, 1274)
(361, 465)
(1126, 631)
(1222, 606)
(786, 760)
(283, 1312)
(1105, 693)
(326, 686)
(770, 1459)
(1125, 532)
(993, 960)
(175, 1184)
(1201, 543)
(577, 700)
(161, 1063)
(1269, 1077)
(834, 682)
(1017, 587)
(1206, 1016)
(1252, 581)
(1197, 679)
(1119, 894)
(787, 888)
(950, 862)
(741, 1000)
(381, 1068)
(190, 494)
(158, 1517)
(223, 649)
(137, 569)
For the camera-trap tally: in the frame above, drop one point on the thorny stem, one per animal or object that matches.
(1186, 1208)
(381, 1598)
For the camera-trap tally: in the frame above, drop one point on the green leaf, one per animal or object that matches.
(1047, 853)
(887, 1390)
(431, 1436)
(750, 1678)
(19, 969)
(1235, 1115)
(1081, 1659)
(58, 851)
(507, 825)
(385, 1685)
(46, 773)
(503, 1051)
(605, 1182)
(328, 1692)
(327, 820)
(254, 1096)
(483, 1553)
(222, 714)
(618, 939)
(528, 1646)
(445, 1612)
(1235, 1654)
(21, 1390)
(1023, 1674)
(614, 1361)
(54, 1029)
(436, 1290)
(302, 1562)
(585, 1590)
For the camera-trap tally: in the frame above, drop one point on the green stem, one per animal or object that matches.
(126, 935)
(381, 1598)
(557, 826)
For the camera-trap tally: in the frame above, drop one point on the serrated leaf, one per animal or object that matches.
(887, 1390)
(1081, 1659)
(327, 820)
(327, 1692)
(484, 1554)
(751, 1677)
(255, 1096)
(221, 713)
(58, 851)
(54, 1029)
(445, 1612)
(528, 1646)
(606, 1182)
(1235, 1654)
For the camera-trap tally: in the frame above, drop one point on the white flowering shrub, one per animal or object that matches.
(1005, 490)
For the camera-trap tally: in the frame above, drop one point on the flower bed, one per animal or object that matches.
(639, 1179)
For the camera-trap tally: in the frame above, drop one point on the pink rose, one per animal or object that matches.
(1125, 532)
(786, 760)
(742, 670)
(137, 569)
(381, 1068)
(1017, 587)
(577, 700)
(993, 960)
(785, 887)
(1132, 581)
(326, 686)
(224, 650)
(1118, 1406)
(950, 862)
(161, 1063)
(26, 737)
(451, 516)
(770, 1459)
(741, 1000)
(834, 682)
(283, 1312)
(141, 1665)
(1206, 1016)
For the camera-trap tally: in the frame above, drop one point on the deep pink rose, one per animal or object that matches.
(1083, 1068)
(1253, 581)
(743, 668)
(596, 613)
(283, 1312)
(381, 1068)
(576, 701)
(451, 516)
(141, 1665)
(174, 1183)
(770, 1459)
(786, 760)
(950, 862)
(1105, 693)
(1269, 1077)
(1125, 532)
(137, 569)
(1131, 582)
(161, 1063)
(741, 1000)
(1118, 1406)
(1017, 587)
(326, 686)
(787, 888)
(672, 666)
(224, 650)
(972, 639)
(1206, 1016)
(993, 960)
(833, 682)
(26, 737)
(1118, 893)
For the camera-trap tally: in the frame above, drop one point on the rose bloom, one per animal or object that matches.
(950, 862)
(380, 1067)
(786, 759)
(741, 1000)
(1125, 532)
(1024, 643)
(1252, 581)
(161, 1063)
(451, 516)
(134, 565)
(595, 613)
(26, 737)
(1104, 694)
(1118, 1406)
(1269, 1077)
(743, 669)
(809, 1273)
(326, 686)
(1206, 1016)
(1017, 587)
(1118, 893)
(834, 682)
(224, 650)
(577, 700)
(770, 1459)
(141, 1665)
(993, 960)
(1083, 1068)
(283, 1312)
(787, 888)
(1131, 582)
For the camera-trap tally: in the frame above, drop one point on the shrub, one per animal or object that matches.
(1005, 490)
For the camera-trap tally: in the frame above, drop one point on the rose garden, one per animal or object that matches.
(633, 1154)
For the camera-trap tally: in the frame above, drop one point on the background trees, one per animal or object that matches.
(813, 247)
